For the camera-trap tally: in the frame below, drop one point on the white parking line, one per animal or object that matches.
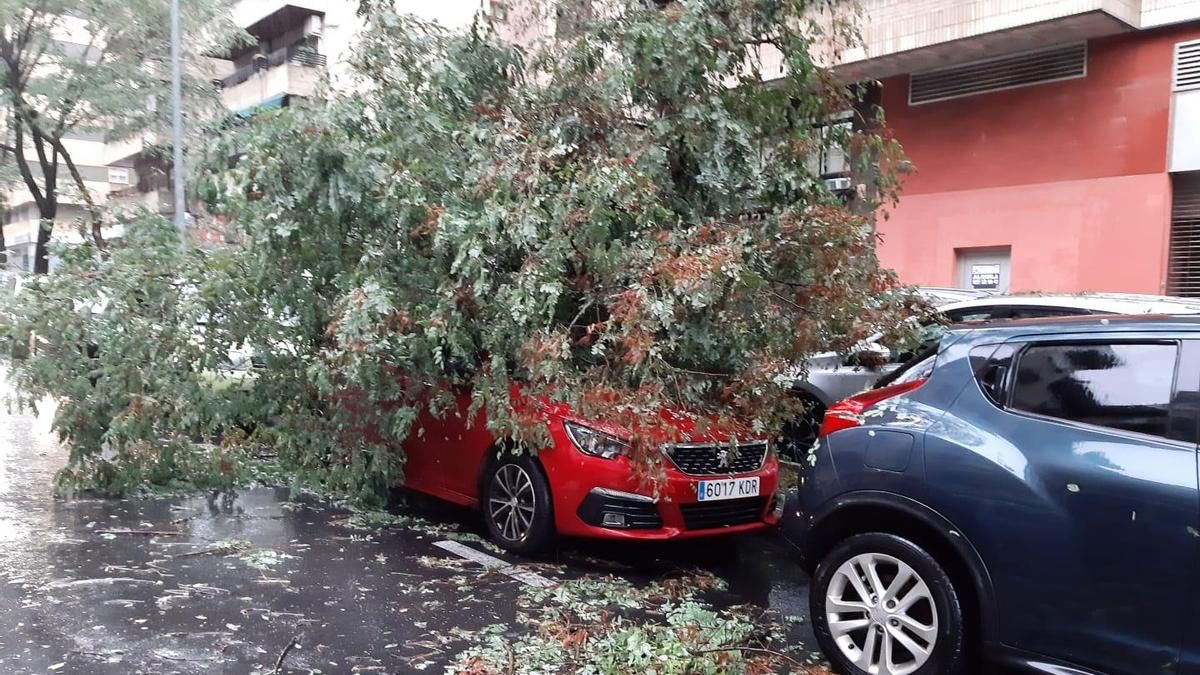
(491, 562)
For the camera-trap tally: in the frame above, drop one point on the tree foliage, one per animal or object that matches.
(626, 221)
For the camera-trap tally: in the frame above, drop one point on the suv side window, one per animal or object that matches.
(991, 364)
(1119, 385)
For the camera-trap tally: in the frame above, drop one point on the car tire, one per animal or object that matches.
(516, 505)
(917, 622)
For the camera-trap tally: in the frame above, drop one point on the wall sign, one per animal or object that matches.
(985, 276)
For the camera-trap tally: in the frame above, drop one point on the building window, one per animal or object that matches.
(499, 11)
(1114, 385)
(832, 160)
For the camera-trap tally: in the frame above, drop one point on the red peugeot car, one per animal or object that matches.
(584, 484)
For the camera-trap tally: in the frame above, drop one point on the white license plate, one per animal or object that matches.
(729, 488)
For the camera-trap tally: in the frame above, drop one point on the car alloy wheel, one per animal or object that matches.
(512, 502)
(882, 605)
(881, 614)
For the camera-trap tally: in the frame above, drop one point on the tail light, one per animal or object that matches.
(847, 414)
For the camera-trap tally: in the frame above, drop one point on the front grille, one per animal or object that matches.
(708, 460)
(706, 516)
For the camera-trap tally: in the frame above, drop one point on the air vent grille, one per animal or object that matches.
(1183, 270)
(1187, 66)
(1006, 72)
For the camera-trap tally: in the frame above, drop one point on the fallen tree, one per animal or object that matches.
(625, 219)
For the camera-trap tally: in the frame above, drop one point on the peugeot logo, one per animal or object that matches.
(723, 459)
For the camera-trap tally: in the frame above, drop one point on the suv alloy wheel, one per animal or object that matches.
(881, 605)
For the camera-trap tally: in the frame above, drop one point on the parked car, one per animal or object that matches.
(831, 376)
(1030, 491)
(583, 483)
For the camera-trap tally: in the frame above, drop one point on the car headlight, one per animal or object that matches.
(595, 443)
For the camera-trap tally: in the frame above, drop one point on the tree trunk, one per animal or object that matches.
(41, 255)
(3, 250)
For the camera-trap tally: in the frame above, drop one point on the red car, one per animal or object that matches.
(584, 484)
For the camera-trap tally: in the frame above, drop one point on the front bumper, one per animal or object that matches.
(587, 490)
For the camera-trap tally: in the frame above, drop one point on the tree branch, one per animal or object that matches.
(39, 197)
(60, 150)
(756, 650)
(71, 102)
(96, 219)
(799, 308)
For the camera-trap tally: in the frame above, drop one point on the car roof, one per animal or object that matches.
(941, 295)
(1105, 303)
(1117, 323)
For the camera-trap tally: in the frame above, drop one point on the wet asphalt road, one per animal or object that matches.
(223, 584)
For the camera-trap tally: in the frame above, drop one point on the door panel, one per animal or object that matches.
(446, 451)
(1089, 532)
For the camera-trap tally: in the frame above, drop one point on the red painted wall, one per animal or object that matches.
(1066, 236)
(1071, 175)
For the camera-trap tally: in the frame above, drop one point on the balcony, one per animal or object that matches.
(900, 36)
(291, 71)
(156, 200)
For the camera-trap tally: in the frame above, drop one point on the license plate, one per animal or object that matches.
(729, 488)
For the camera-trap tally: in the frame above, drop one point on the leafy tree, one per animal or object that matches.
(98, 66)
(624, 221)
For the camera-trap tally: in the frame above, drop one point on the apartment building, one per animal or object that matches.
(295, 44)
(1055, 143)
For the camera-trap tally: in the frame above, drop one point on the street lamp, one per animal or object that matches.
(177, 120)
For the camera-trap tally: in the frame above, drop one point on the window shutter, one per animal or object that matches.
(1183, 267)
(1187, 66)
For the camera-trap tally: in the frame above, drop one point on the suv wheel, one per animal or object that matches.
(881, 605)
(516, 505)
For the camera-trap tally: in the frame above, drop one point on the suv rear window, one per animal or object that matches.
(1118, 385)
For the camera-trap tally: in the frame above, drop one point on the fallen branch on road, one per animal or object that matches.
(761, 650)
(283, 654)
(150, 533)
(220, 548)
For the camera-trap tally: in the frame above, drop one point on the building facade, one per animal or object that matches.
(1054, 144)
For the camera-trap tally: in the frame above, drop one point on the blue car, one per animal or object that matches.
(1025, 496)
